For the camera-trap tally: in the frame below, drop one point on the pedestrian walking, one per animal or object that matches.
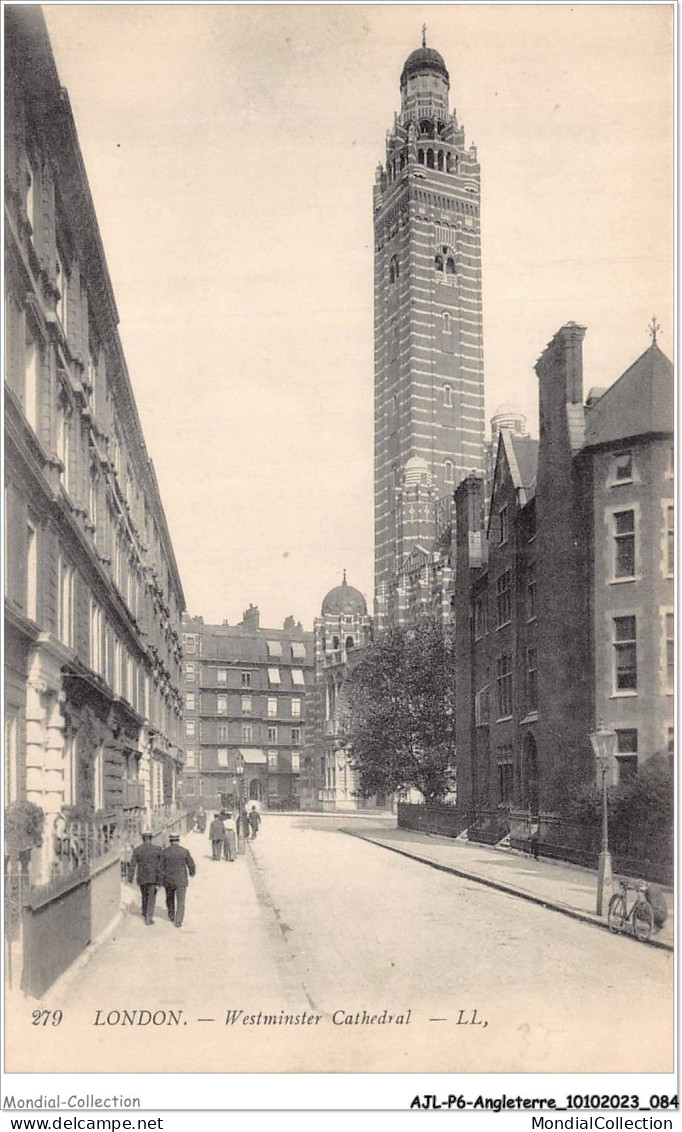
(216, 835)
(200, 820)
(254, 822)
(178, 867)
(230, 843)
(146, 860)
(243, 824)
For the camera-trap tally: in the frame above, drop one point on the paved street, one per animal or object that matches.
(320, 922)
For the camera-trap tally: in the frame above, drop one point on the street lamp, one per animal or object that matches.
(604, 746)
(239, 768)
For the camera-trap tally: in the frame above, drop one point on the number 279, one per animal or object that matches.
(46, 1017)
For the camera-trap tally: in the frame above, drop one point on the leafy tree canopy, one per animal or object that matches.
(399, 712)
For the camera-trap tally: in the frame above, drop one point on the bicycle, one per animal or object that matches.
(639, 917)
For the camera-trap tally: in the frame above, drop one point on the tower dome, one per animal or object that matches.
(417, 471)
(508, 416)
(422, 60)
(344, 599)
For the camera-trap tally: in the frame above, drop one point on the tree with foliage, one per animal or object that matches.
(641, 811)
(399, 708)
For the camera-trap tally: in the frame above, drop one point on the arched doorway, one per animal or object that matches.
(531, 785)
(255, 790)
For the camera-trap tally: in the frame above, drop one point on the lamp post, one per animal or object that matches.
(604, 746)
(239, 768)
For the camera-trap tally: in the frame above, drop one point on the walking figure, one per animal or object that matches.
(178, 866)
(230, 843)
(146, 859)
(254, 822)
(216, 836)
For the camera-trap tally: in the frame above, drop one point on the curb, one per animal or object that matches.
(564, 909)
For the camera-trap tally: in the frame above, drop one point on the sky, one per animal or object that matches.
(231, 152)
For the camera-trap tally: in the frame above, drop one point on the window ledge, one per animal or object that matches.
(532, 717)
(503, 625)
(622, 483)
(532, 619)
(620, 581)
(624, 694)
(505, 719)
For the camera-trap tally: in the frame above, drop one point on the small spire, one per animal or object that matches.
(344, 583)
(423, 35)
(653, 329)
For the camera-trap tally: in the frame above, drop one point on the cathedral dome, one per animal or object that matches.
(344, 599)
(421, 60)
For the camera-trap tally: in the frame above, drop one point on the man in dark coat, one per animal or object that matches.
(254, 822)
(146, 859)
(216, 835)
(178, 866)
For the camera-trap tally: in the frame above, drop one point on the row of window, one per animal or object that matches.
(249, 732)
(276, 761)
(624, 677)
(275, 705)
(247, 675)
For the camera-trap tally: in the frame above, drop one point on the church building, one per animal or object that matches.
(429, 413)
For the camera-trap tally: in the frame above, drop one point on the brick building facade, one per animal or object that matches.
(429, 416)
(563, 596)
(92, 594)
(249, 712)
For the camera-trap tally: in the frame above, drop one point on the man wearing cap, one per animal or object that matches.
(146, 859)
(177, 866)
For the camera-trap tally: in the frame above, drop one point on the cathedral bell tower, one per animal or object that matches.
(428, 339)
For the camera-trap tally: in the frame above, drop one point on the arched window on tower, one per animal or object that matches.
(447, 327)
(447, 396)
(448, 471)
(440, 159)
(350, 643)
(403, 159)
(429, 158)
(426, 128)
(420, 156)
(450, 266)
(438, 262)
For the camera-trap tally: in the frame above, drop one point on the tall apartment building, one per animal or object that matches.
(93, 598)
(429, 414)
(248, 695)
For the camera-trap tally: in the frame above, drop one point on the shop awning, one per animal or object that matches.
(253, 755)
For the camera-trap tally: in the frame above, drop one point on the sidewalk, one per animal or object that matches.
(565, 888)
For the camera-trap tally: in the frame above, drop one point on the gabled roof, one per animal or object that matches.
(639, 402)
(526, 454)
(521, 454)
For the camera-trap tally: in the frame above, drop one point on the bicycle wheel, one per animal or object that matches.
(616, 915)
(642, 920)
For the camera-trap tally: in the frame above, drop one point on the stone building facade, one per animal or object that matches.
(93, 598)
(343, 629)
(249, 713)
(564, 596)
(429, 415)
